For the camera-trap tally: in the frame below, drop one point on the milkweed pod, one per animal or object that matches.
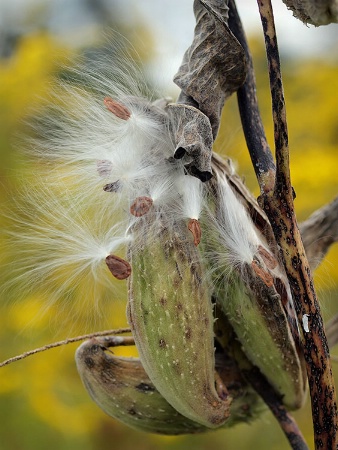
(171, 317)
(255, 311)
(253, 292)
(123, 390)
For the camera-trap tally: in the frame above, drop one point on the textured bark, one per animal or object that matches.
(279, 207)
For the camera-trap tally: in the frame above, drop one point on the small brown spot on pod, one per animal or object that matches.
(162, 343)
(116, 186)
(104, 167)
(89, 362)
(163, 302)
(266, 277)
(188, 333)
(117, 108)
(119, 268)
(270, 260)
(145, 387)
(141, 206)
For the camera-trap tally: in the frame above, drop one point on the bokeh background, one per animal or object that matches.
(42, 402)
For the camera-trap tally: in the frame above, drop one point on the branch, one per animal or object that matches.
(64, 342)
(284, 418)
(279, 207)
(319, 232)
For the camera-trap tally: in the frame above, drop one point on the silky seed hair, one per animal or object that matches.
(103, 159)
(234, 242)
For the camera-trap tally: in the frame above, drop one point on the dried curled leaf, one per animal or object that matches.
(214, 66)
(316, 12)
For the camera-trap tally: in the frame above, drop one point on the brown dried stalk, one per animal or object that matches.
(260, 152)
(279, 207)
(284, 418)
(276, 192)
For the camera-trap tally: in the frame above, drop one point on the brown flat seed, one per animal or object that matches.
(119, 268)
(116, 186)
(270, 261)
(141, 206)
(266, 277)
(195, 228)
(104, 167)
(117, 108)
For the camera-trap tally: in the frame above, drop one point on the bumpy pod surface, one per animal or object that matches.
(171, 317)
(122, 389)
(251, 288)
(261, 325)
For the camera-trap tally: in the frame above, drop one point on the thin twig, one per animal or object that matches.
(260, 152)
(64, 342)
(279, 207)
(274, 402)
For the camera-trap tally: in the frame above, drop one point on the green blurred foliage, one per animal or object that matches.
(42, 402)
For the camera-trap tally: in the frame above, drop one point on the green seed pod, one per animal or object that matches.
(257, 316)
(123, 390)
(171, 317)
(252, 291)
